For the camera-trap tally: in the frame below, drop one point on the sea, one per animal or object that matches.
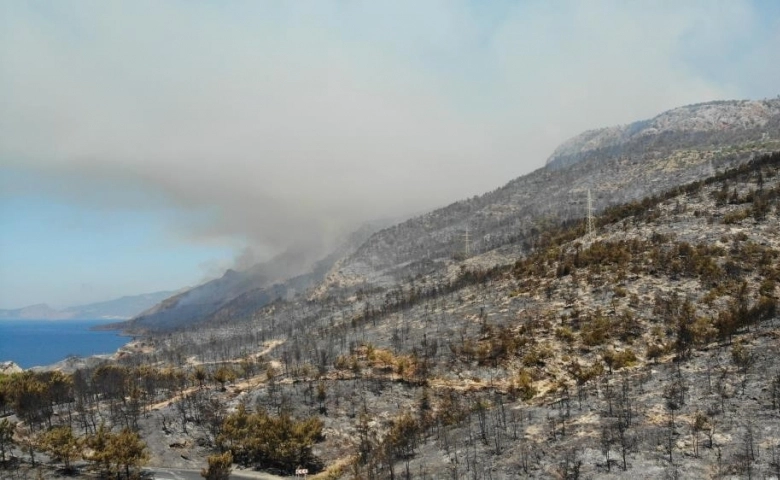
(32, 343)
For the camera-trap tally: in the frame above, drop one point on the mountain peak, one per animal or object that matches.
(714, 123)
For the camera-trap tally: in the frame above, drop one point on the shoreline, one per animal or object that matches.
(70, 362)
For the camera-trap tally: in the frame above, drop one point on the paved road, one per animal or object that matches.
(160, 473)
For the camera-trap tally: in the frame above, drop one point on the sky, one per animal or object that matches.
(150, 145)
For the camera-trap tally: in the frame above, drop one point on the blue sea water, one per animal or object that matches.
(32, 343)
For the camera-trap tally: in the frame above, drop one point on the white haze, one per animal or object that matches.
(289, 122)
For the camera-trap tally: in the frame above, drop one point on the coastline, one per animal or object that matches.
(24, 357)
(71, 364)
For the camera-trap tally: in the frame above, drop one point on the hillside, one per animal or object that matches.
(643, 350)
(617, 165)
(655, 332)
(239, 293)
(640, 160)
(191, 305)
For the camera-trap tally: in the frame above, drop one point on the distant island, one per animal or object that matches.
(117, 309)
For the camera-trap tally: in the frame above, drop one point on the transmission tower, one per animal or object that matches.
(466, 243)
(710, 169)
(591, 228)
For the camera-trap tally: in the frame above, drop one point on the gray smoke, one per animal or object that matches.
(284, 125)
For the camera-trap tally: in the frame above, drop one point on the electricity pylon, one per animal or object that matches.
(591, 227)
(466, 243)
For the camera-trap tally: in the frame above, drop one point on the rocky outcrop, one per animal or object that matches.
(7, 368)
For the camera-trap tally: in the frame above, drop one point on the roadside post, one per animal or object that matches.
(301, 472)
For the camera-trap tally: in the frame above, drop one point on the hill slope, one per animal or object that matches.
(643, 350)
(617, 164)
(651, 339)
(239, 293)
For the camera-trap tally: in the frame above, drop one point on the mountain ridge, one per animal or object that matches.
(123, 307)
(507, 219)
(243, 290)
(714, 123)
(510, 214)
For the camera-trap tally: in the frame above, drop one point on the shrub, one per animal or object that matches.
(583, 375)
(655, 351)
(565, 334)
(596, 331)
(703, 331)
(742, 357)
(767, 288)
(219, 467)
(522, 386)
(616, 360)
(537, 355)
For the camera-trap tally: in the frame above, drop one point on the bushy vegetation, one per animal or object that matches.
(259, 439)
(219, 467)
